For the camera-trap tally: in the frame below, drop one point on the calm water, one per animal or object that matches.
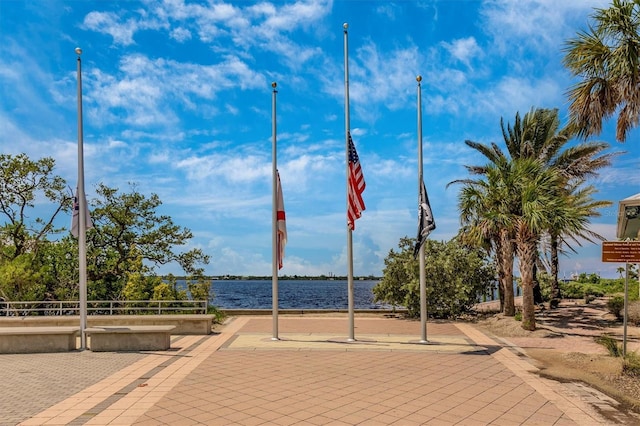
(292, 294)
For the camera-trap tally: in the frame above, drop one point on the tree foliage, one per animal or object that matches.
(532, 192)
(130, 240)
(456, 275)
(24, 182)
(606, 59)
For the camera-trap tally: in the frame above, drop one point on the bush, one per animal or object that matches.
(633, 313)
(218, 315)
(455, 276)
(615, 305)
(611, 344)
(631, 364)
(578, 290)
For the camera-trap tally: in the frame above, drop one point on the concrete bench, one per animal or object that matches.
(185, 324)
(129, 338)
(22, 340)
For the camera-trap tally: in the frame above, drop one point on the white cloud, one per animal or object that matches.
(464, 50)
(180, 34)
(542, 23)
(151, 91)
(231, 169)
(107, 22)
(389, 10)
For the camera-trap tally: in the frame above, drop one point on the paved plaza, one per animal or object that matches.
(312, 375)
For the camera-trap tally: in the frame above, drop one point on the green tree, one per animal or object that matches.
(456, 275)
(400, 268)
(18, 280)
(539, 190)
(163, 291)
(539, 136)
(606, 59)
(23, 182)
(130, 238)
(57, 262)
(199, 288)
(485, 206)
(572, 227)
(485, 211)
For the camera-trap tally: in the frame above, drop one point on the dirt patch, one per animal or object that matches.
(564, 347)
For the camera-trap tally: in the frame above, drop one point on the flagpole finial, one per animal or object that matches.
(78, 51)
(345, 26)
(274, 84)
(419, 78)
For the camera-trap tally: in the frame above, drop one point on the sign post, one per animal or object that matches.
(622, 252)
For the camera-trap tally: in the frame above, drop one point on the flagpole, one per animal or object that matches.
(274, 216)
(351, 338)
(423, 285)
(82, 220)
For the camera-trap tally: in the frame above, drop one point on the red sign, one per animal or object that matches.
(621, 251)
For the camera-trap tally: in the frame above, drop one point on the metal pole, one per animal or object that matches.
(82, 220)
(423, 285)
(274, 216)
(626, 310)
(351, 338)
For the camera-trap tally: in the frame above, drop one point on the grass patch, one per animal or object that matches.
(611, 344)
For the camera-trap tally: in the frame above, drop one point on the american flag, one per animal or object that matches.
(356, 187)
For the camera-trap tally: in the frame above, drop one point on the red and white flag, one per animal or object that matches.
(356, 187)
(282, 224)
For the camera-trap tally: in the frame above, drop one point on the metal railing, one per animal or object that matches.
(103, 307)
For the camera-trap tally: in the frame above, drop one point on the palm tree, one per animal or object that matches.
(564, 231)
(516, 199)
(607, 60)
(489, 207)
(539, 191)
(539, 136)
(484, 212)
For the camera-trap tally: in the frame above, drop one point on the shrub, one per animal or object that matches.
(591, 278)
(218, 315)
(570, 290)
(615, 305)
(611, 344)
(633, 313)
(455, 276)
(576, 290)
(631, 364)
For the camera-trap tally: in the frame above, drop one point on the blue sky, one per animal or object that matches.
(177, 99)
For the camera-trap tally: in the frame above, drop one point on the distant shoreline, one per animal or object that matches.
(282, 278)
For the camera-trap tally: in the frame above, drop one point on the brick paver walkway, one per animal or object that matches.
(311, 376)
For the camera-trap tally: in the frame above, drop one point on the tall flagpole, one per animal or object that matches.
(274, 216)
(423, 285)
(82, 219)
(351, 338)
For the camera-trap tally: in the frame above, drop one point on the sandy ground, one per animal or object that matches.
(564, 346)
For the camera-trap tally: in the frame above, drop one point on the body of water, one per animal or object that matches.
(292, 294)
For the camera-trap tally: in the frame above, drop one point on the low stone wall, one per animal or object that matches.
(131, 338)
(187, 324)
(21, 340)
